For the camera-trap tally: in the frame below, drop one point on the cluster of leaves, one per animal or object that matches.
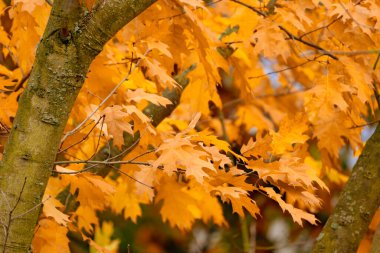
(269, 105)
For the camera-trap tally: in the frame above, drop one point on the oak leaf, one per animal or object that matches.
(297, 214)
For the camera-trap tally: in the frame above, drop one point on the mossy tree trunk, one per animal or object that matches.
(72, 39)
(357, 204)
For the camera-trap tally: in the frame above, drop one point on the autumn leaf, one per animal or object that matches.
(155, 70)
(29, 6)
(116, 121)
(125, 201)
(180, 209)
(179, 153)
(297, 214)
(269, 40)
(238, 199)
(208, 139)
(103, 241)
(182, 205)
(290, 132)
(261, 148)
(45, 241)
(139, 94)
(50, 210)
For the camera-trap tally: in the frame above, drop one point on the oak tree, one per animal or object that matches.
(187, 105)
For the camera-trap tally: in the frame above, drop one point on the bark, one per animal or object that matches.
(72, 39)
(357, 204)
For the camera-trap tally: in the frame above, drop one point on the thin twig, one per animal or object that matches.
(110, 164)
(131, 177)
(84, 138)
(264, 96)
(291, 36)
(22, 81)
(282, 94)
(19, 196)
(366, 124)
(299, 39)
(10, 218)
(356, 52)
(287, 68)
(142, 154)
(31, 209)
(355, 21)
(375, 89)
(100, 135)
(261, 13)
(322, 27)
(5, 128)
(98, 162)
(126, 150)
(376, 61)
(77, 171)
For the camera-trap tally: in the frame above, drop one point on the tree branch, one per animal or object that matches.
(254, 9)
(105, 20)
(357, 204)
(298, 38)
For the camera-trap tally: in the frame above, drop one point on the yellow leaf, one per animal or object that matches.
(238, 199)
(50, 237)
(179, 207)
(140, 94)
(180, 153)
(155, 70)
(50, 210)
(86, 217)
(297, 214)
(116, 121)
(162, 47)
(137, 80)
(269, 40)
(126, 201)
(103, 241)
(208, 138)
(183, 204)
(198, 96)
(218, 158)
(261, 148)
(290, 132)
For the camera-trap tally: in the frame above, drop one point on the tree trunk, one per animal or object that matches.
(72, 39)
(357, 204)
